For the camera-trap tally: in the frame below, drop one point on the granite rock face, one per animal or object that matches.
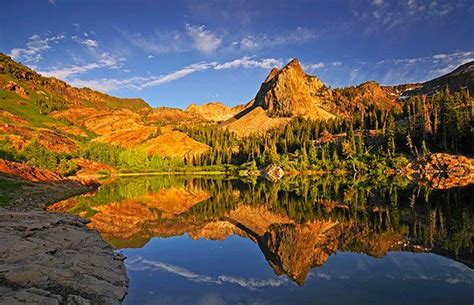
(52, 258)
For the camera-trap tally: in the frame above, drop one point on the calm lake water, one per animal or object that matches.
(318, 240)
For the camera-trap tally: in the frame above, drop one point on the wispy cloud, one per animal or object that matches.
(139, 82)
(203, 39)
(387, 15)
(247, 62)
(90, 43)
(156, 43)
(297, 36)
(34, 47)
(53, 2)
(108, 85)
(177, 74)
(105, 60)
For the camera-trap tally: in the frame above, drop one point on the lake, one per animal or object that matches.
(303, 240)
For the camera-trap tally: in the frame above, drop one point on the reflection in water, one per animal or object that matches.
(298, 224)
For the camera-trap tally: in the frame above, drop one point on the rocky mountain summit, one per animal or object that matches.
(289, 92)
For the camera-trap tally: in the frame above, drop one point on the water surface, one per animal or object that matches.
(319, 240)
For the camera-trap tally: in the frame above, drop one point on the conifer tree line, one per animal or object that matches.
(440, 123)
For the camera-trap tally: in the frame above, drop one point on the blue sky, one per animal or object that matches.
(173, 53)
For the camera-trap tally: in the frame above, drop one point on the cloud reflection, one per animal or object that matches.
(140, 264)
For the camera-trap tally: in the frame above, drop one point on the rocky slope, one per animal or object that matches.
(28, 84)
(253, 121)
(62, 117)
(214, 112)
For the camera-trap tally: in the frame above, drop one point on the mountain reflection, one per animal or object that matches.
(298, 223)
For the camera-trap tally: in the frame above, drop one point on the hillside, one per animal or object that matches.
(63, 118)
(461, 78)
(253, 121)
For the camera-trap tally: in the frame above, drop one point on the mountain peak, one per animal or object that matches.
(288, 91)
(294, 65)
(274, 72)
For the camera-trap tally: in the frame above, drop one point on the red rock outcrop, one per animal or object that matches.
(28, 172)
(14, 87)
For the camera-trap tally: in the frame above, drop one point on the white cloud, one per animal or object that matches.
(178, 74)
(53, 2)
(315, 66)
(90, 43)
(108, 85)
(377, 2)
(248, 43)
(34, 47)
(105, 60)
(336, 63)
(440, 56)
(453, 65)
(150, 56)
(203, 40)
(248, 62)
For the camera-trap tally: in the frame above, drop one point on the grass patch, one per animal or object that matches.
(8, 188)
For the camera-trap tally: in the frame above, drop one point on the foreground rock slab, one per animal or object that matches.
(53, 258)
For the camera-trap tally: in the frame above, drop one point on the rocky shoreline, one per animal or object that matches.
(54, 258)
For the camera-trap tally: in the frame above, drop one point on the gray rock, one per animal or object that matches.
(46, 258)
(272, 173)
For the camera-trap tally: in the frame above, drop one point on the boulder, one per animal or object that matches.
(442, 170)
(272, 173)
(14, 87)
